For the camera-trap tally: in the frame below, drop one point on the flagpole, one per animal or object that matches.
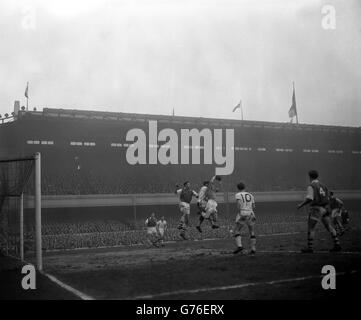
(27, 96)
(241, 110)
(293, 84)
(240, 102)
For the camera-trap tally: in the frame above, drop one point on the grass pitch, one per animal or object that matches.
(208, 270)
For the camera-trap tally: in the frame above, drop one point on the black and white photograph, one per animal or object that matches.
(189, 151)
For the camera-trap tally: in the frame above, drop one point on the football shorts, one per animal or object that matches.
(243, 220)
(335, 213)
(244, 215)
(210, 209)
(152, 230)
(317, 213)
(185, 207)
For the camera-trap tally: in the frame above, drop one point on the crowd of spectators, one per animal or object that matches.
(80, 176)
(93, 234)
(57, 184)
(100, 233)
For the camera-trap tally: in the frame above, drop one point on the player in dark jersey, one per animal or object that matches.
(185, 197)
(336, 206)
(201, 204)
(152, 234)
(318, 199)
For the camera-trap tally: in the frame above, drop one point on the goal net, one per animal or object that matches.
(20, 208)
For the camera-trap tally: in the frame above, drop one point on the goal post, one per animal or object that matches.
(19, 179)
(39, 257)
(21, 227)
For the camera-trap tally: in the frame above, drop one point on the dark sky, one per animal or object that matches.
(199, 57)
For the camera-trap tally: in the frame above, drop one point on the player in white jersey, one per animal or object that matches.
(207, 203)
(245, 216)
(161, 227)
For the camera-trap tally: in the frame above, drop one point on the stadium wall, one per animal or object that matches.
(84, 153)
(106, 200)
(132, 209)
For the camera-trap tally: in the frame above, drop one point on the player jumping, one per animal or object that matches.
(245, 216)
(207, 204)
(201, 203)
(185, 197)
(318, 198)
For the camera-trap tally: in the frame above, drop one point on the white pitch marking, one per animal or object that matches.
(315, 252)
(65, 286)
(74, 291)
(280, 234)
(237, 286)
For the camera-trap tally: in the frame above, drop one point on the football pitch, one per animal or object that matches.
(205, 269)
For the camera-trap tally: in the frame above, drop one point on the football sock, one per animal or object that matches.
(336, 241)
(310, 240)
(253, 243)
(186, 220)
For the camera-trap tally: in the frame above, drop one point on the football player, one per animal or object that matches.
(185, 197)
(337, 206)
(207, 203)
(161, 227)
(201, 203)
(318, 198)
(245, 217)
(151, 224)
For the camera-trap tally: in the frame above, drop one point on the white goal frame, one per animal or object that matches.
(37, 204)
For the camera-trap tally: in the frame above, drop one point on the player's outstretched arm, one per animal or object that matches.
(303, 203)
(176, 188)
(213, 181)
(340, 203)
(216, 178)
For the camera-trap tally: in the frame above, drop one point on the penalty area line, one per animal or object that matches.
(65, 286)
(315, 252)
(232, 287)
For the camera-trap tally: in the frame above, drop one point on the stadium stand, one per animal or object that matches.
(83, 152)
